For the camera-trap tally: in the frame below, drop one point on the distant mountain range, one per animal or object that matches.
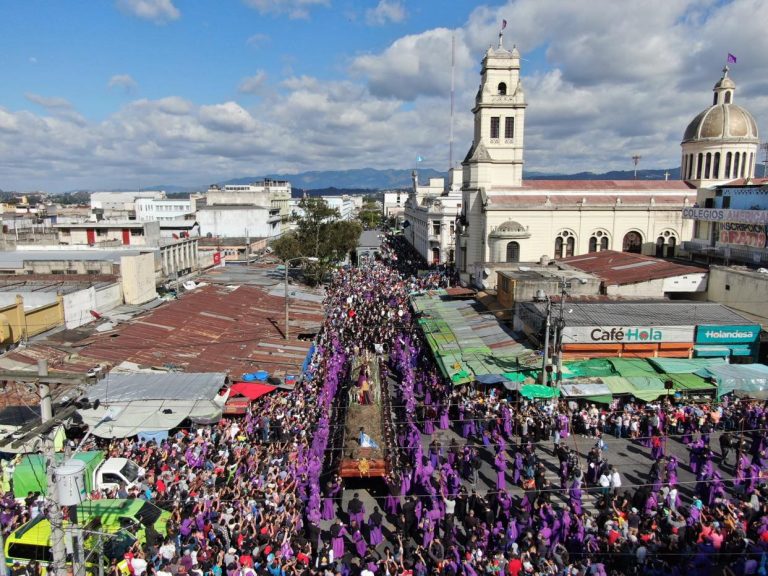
(364, 180)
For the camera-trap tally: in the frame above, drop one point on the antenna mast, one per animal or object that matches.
(453, 74)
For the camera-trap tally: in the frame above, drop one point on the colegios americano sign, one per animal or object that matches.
(626, 334)
(726, 215)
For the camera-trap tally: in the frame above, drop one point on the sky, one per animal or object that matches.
(129, 94)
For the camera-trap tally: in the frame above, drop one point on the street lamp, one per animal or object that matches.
(286, 263)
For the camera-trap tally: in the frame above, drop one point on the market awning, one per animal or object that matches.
(539, 391)
(251, 390)
(584, 390)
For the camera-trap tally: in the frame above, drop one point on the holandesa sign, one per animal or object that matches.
(626, 334)
(738, 334)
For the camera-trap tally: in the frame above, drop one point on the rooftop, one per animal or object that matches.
(656, 313)
(617, 268)
(16, 258)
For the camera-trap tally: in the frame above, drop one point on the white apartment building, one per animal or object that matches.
(275, 194)
(120, 205)
(149, 209)
(430, 212)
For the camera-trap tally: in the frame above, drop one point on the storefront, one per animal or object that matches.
(738, 342)
(628, 340)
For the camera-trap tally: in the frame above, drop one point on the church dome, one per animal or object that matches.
(510, 229)
(511, 226)
(722, 122)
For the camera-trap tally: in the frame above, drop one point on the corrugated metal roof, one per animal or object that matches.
(627, 268)
(574, 200)
(157, 386)
(606, 185)
(213, 328)
(660, 313)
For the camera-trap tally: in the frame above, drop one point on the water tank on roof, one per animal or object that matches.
(70, 482)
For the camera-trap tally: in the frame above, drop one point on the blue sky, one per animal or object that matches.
(127, 93)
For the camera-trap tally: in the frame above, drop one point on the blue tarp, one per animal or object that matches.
(742, 378)
(308, 359)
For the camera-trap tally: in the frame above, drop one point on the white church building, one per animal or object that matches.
(506, 219)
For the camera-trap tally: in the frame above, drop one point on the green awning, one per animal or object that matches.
(600, 398)
(539, 391)
(630, 367)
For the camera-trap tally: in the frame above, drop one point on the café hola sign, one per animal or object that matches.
(626, 334)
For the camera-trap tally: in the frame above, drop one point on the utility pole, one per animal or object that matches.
(560, 327)
(286, 263)
(58, 546)
(546, 342)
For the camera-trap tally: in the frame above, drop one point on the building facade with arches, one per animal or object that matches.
(507, 219)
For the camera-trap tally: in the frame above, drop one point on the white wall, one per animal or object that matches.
(31, 299)
(138, 277)
(228, 223)
(661, 286)
(742, 290)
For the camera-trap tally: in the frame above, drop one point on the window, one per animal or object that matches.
(436, 227)
(726, 201)
(101, 232)
(451, 256)
(137, 232)
(660, 247)
(495, 127)
(513, 252)
(727, 172)
(435, 255)
(504, 284)
(509, 127)
(716, 167)
(671, 244)
(598, 240)
(708, 169)
(452, 227)
(736, 158)
(699, 166)
(690, 166)
(502, 89)
(727, 97)
(565, 240)
(633, 242)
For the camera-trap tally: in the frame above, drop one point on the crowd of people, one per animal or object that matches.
(522, 488)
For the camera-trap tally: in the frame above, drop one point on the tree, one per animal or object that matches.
(370, 214)
(318, 234)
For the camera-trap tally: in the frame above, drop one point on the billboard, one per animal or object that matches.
(727, 215)
(626, 334)
(738, 334)
(736, 233)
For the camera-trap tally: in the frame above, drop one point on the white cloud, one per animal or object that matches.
(253, 84)
(386, 11)
(607, 90)
(296, 9)
(157, 11)
(257, 40)
(124, 82)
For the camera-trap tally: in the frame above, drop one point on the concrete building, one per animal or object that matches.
(344, 204)
(628, 275)
(275, 194)
(120, 205)
(504, 218)
(110, 233)
(520, 282)
(394, 203)
(84, 298)
(150, 209)
(430, 212)
(19, 321)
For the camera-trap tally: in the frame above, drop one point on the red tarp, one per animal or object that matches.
(251, 390)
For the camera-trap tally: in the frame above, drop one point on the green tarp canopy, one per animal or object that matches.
(593, 368)
(642, 387)
(684, 365)
(629, 367)
(744, 379)
(690, 383)
(539, 391)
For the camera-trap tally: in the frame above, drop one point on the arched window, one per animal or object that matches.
(565, 244)
(671, 245)
(502, 89)
(744, 165)
(513, 252)
(570, 246)
(660, 247)
(598, 241)
(727, 171)
(750, 172)
(708, 168)
(699, 165)
(690, 167)
(736, 158)
(727, 97)
(633, 242)
(435, 255)
(716, 167)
